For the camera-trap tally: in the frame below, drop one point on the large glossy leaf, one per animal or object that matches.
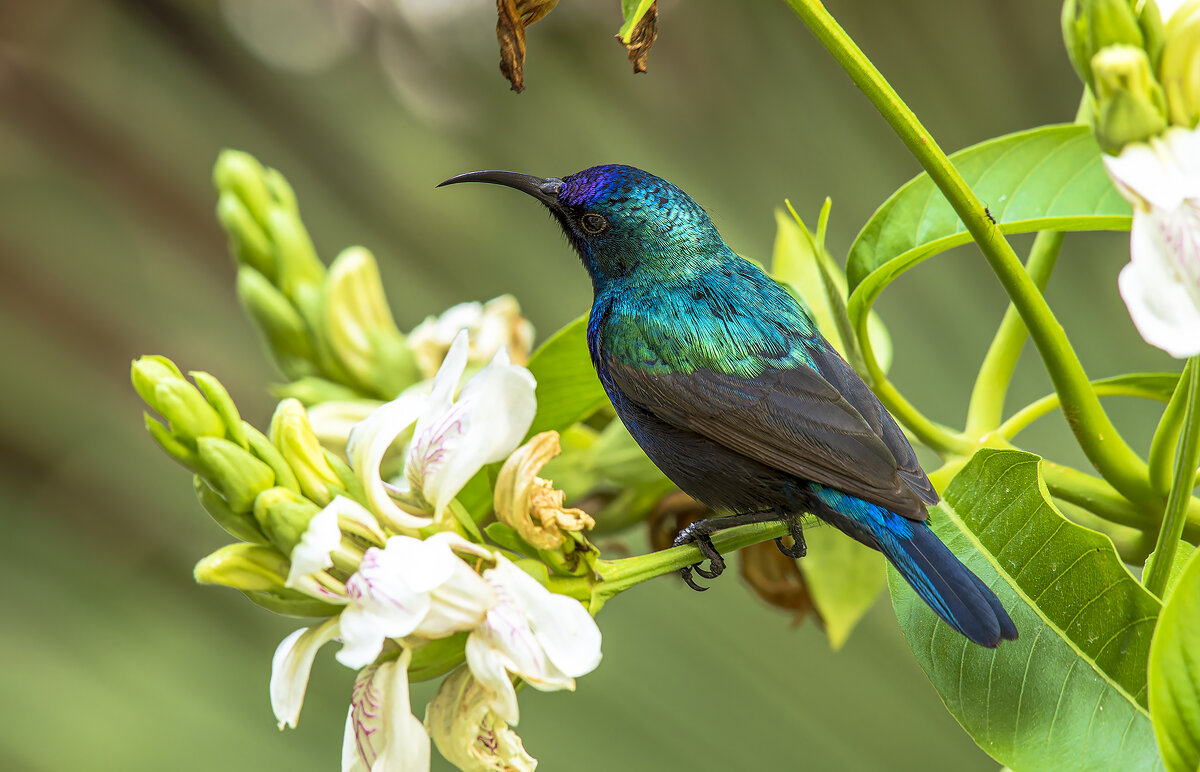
(1175, 673)
(1047, 178)
(567, 387)
(1070, 693)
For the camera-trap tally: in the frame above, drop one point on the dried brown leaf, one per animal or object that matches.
(642, 38)
(512, 17)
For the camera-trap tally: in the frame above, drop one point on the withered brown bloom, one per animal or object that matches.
(513, 16)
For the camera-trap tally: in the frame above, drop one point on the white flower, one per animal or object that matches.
(545, 638)
(321, 537)
(291, 666)
(491, 326)
(1161, 284)
(411, 587)
(382, 734)
(324, 536)
(469, 733)
(453, 438)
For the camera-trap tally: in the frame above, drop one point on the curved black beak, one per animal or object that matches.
(544, 190)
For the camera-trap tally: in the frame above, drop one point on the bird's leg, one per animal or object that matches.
(700, 533)
(798, 549)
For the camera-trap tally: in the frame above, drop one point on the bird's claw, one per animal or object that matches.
(716, 563)
(798, 549)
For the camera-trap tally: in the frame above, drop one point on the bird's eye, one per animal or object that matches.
(593, 223)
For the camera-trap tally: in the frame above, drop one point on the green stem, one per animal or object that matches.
(1093, 494)
(1104, 387)
(619, 575)
(1166, 436)
(1175, 515)
(1104, 446)
(986, 409)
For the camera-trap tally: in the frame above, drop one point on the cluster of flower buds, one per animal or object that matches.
(329, 330)
(1141, 64)
(378, 544)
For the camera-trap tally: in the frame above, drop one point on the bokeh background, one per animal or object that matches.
(111, 115)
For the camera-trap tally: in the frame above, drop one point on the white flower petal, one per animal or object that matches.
(382, 605)
(290, 668)
(311, 553)
(370, 440)
(486, 423)
(564, 628)
(1160, 173)
(487, 665)
(385, 734)
(1162, 309)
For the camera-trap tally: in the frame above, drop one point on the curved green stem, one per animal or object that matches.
(986, 408)
(1093, 494)
(1166, 436)
(1104, 446)
(1104, 387)
(619, 575)
(1175, 515)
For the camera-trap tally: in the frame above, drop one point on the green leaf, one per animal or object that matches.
(632, 11)
(843, 578)
(567, 387)
(1050, 178)
(1182, 553)
(1175, 673)
(794, 263)
(1070, 693)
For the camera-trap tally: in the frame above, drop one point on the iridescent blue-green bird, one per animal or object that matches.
(725, 382)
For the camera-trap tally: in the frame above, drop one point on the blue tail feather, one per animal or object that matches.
(949, 588)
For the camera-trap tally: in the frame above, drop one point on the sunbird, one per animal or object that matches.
(730, 389)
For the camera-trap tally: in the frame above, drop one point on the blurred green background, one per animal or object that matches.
(111, 115)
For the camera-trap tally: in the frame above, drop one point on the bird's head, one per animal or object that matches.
(622, 221)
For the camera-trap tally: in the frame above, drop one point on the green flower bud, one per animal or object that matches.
(312, 390)
(281, 190)
(299, 267)
(163, 387)
(149, 371)
(1092, 25)
(291, 433)
(267, 453)
(219, 399)
(291, 603)
(242, 175)
(242, 526)
(283, 516)
(248, 241)
(288, 336)
(348, 482)
(359, 328)
(1180, 67)
(174, 448)
(1130, 106)
(235, 473)
(244, 567)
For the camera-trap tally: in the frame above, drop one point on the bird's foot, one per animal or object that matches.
(698, 532)
(798, 549)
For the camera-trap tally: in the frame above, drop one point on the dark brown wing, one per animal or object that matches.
(839, 374)
(792, 420)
